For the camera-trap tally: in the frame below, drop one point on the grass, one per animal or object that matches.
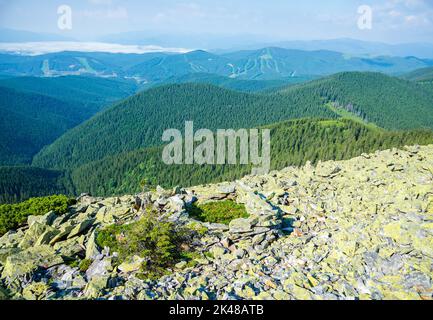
(351, 116)
(218, 212)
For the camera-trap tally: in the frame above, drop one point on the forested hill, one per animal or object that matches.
(424, 74)
(389, 102)
(138, 122)
(22, 183)
(29, 121)
(92, 93)
(292, 143)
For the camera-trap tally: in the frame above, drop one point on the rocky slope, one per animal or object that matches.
(357, 229)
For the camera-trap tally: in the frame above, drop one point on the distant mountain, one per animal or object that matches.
(425, 74)
(235, 84)
(154, 68)
(347, 46)
(220, 43)
(270, 63)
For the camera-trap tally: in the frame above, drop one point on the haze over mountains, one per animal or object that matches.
(230, 43)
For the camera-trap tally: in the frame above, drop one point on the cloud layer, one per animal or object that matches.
(38, 48)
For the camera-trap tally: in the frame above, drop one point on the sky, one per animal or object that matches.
(394, 21)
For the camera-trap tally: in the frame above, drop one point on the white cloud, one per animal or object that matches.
(38, 48)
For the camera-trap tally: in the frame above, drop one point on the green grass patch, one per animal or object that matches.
(13, 216)
(218, 212)
(351, 116)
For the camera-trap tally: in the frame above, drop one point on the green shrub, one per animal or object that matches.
(158, 242)
(218, 211)
(13, 216)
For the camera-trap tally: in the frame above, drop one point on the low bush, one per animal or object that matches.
(13, 216)
(158, 242)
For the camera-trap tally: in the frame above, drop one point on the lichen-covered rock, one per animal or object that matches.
(29, 260)
(356, 229)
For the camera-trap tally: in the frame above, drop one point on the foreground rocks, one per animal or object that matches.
(357, 229)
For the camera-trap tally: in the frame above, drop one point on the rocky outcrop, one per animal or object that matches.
(357, 229)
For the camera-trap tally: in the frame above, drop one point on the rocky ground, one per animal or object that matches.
(357, 229)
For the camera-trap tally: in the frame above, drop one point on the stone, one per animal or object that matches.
(29, 260)
(47, 236)
(46, 219)
(227, 189)
(99, 268)
(240, 226)
(94, 289)
(64, 232)
(181, 265)
(132, 265)
(92, 249)
(32, 235)
(80, 228)
(35, 291)
(218, 251)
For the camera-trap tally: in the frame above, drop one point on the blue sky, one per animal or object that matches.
(393, 20)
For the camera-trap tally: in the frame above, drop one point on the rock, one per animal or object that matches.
(47, 236)
(99, 268)
(217, 227)
(218, 251)
(29, 260)
(46, 219)
(64, 232)
(95, 288)
(32, 235)
(227, 189)
(133, 265)
(80, 228)
(35, 291)
(181, 265)
(92, 249)
(240, 226)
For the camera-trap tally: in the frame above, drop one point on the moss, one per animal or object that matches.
(73, 263)
(197, 227)
(85, 264)
(218, 211)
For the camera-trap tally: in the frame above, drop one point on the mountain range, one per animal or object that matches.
(270, 63)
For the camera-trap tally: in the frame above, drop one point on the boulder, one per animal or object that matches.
(240, 225)
(29, 260)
